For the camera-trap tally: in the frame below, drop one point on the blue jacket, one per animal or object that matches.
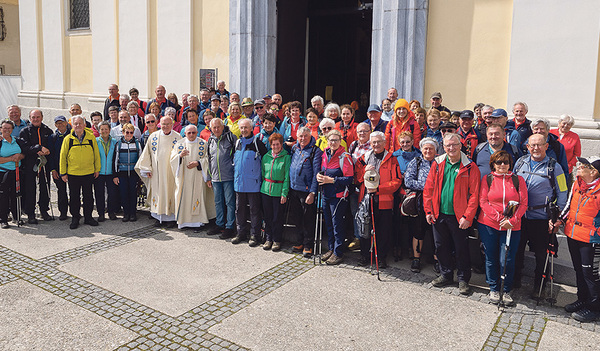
(380, 127)
(524, 131)
(539, 186)
(483, 152)
(199, 125)
(106, 160)
(264, 137)
(437, 135)
(404, 157)
(126, 155)
(303, 170)
(285, 128)
(416, 173)
(247, 160)
(54, 144)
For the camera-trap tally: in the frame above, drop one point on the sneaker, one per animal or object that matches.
(297, 248)
(464, 288)
(46, 216)
(63, 217)
(216, 230)
(267, 245)
(585, 315)
(494, 297)
(276, 246)
(363, 261)
(354, 245)
(436, 266)
(507, 300)
(575, 306)
(326, 255)
(415, 266)
(90, 221)
(307, 252)
(441, 281)
(101, 218)
(112, 216)
(253, 241)
(238, 239)
(74, 223)
(5, 225)
(227, 233)
(334, 260)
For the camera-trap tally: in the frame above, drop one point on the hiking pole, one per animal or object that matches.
(18, 193)
(509, 211)
(47, 180)
(550, 254)
(374, 243)
(318, 227)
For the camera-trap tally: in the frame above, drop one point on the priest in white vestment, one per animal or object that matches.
(194, 198)
(154, 168)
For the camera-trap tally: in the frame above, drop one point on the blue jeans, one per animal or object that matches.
(353, 200)
(333, 213)
(224, 203)
(494, 245)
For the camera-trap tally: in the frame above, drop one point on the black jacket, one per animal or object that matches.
(34, 141)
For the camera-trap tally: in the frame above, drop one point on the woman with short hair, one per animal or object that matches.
(570, 140)
(104, 182)
(11, 154)
(127, 153)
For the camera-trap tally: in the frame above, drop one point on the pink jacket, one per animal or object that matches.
(494, 199)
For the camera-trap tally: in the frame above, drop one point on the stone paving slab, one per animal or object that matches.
(33, 319)
(332, 308)
(174, 271)
(48, 238)
(565, 337)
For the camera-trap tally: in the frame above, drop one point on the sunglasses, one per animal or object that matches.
(327, 128)
(128, 132)
(258, 107)
(150, 122)
(451, 130)
(502, 162)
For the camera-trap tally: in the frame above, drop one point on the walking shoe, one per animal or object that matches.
(227, 233)
(307, 252)
(585, 315)
(90, 221)
(507, 300)
(125, 218)
(297, 248)
(253, 241)
(494, 297)
(441, 281)
(267, 245)
(101, 218)
(326, 255)
(436, 266)
(133, 218)
(74, 223)
(276, 246)
(334, 260)
(63, 217)
(575, 306)
(46, 216)
(238, 239)
(354, 245)
(363, 261)
(464, 288)
(415, 266)
(32, 220)
(5, 225)
(112, 216)
(216, 230)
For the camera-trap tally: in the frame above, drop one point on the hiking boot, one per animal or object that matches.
(5, 225)
(216, 230)
(74, 223)
(494, 297)
(441, 281)
(133, 218)
(46, 216)
(363, 261)
(436, 266)
(238, 239)
(575, 306)
(32, 220)
(227, 233)
(90, 221)
(507, 300)
(334, 260)
(464, 288)
(125, 218)
(63, 217)
(297, 248)
(276, 246)
(112, 216)
(354, 245)
(267, 245)
(101, 218)
(415, 266)
(326, 255)
(585, 315)
(253, 241)
(307, 252)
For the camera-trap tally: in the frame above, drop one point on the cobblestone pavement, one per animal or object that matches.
(519, 328)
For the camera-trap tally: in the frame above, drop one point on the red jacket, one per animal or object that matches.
(493, 200)
(390, 179)
(466, 188)
(583, 213)
(348, 134)
(395, 127)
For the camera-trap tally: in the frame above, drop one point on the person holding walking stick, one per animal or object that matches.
(11, 154)
(499, 192)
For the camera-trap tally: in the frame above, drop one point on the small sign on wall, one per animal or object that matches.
(208, 78)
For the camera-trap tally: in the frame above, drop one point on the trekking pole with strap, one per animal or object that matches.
(18, 193)
(550, 254)
(47, 180)
(509, 211)
(318, 227)
(374, 243)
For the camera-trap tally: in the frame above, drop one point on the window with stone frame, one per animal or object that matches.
(79, 14)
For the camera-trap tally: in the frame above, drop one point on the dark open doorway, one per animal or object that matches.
(339, 50)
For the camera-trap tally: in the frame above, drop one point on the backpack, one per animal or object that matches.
(514, 177)
(363, 217)
(480, 147)
(549, 174)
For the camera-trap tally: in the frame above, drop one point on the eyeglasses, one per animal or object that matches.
(502, 162)
(363, 131)
(451, 130)
(533, 146)
(336, 140)
(128, 132)
(405, 142)
(191, 133)
(451, 145)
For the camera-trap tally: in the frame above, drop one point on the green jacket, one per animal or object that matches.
(276, 174)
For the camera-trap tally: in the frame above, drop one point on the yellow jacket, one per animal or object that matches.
(79, 158)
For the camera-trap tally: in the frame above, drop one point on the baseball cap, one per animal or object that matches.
(436, 95)
(215, 97)
(60, 118)
(467, 114)
(371, 179)
(499, 112)
(259, 102)
(592, 161)
(374, 107)
(267, 96)
(448, 125)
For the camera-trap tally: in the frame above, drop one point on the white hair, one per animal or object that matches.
(326, 122)
(220, 81)
(522, 104)
(567, 119)
(124, 97)
(449, 136)
(332, 106)
(170, 110)
(317, 98)
(190, 126)
(77, 117)
(245, 120)
(12, 106)
(133, 103)
(377, 134)
(541, 120)
(428, 140)
(303, 130)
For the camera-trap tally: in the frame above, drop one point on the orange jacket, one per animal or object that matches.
(583, 216)
(395, 127)
(390, 179)
(466, 188)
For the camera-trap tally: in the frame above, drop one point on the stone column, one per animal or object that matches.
(31, 66)
(252, 47)
(398, 48)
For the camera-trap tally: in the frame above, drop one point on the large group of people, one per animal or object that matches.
(435, 179)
